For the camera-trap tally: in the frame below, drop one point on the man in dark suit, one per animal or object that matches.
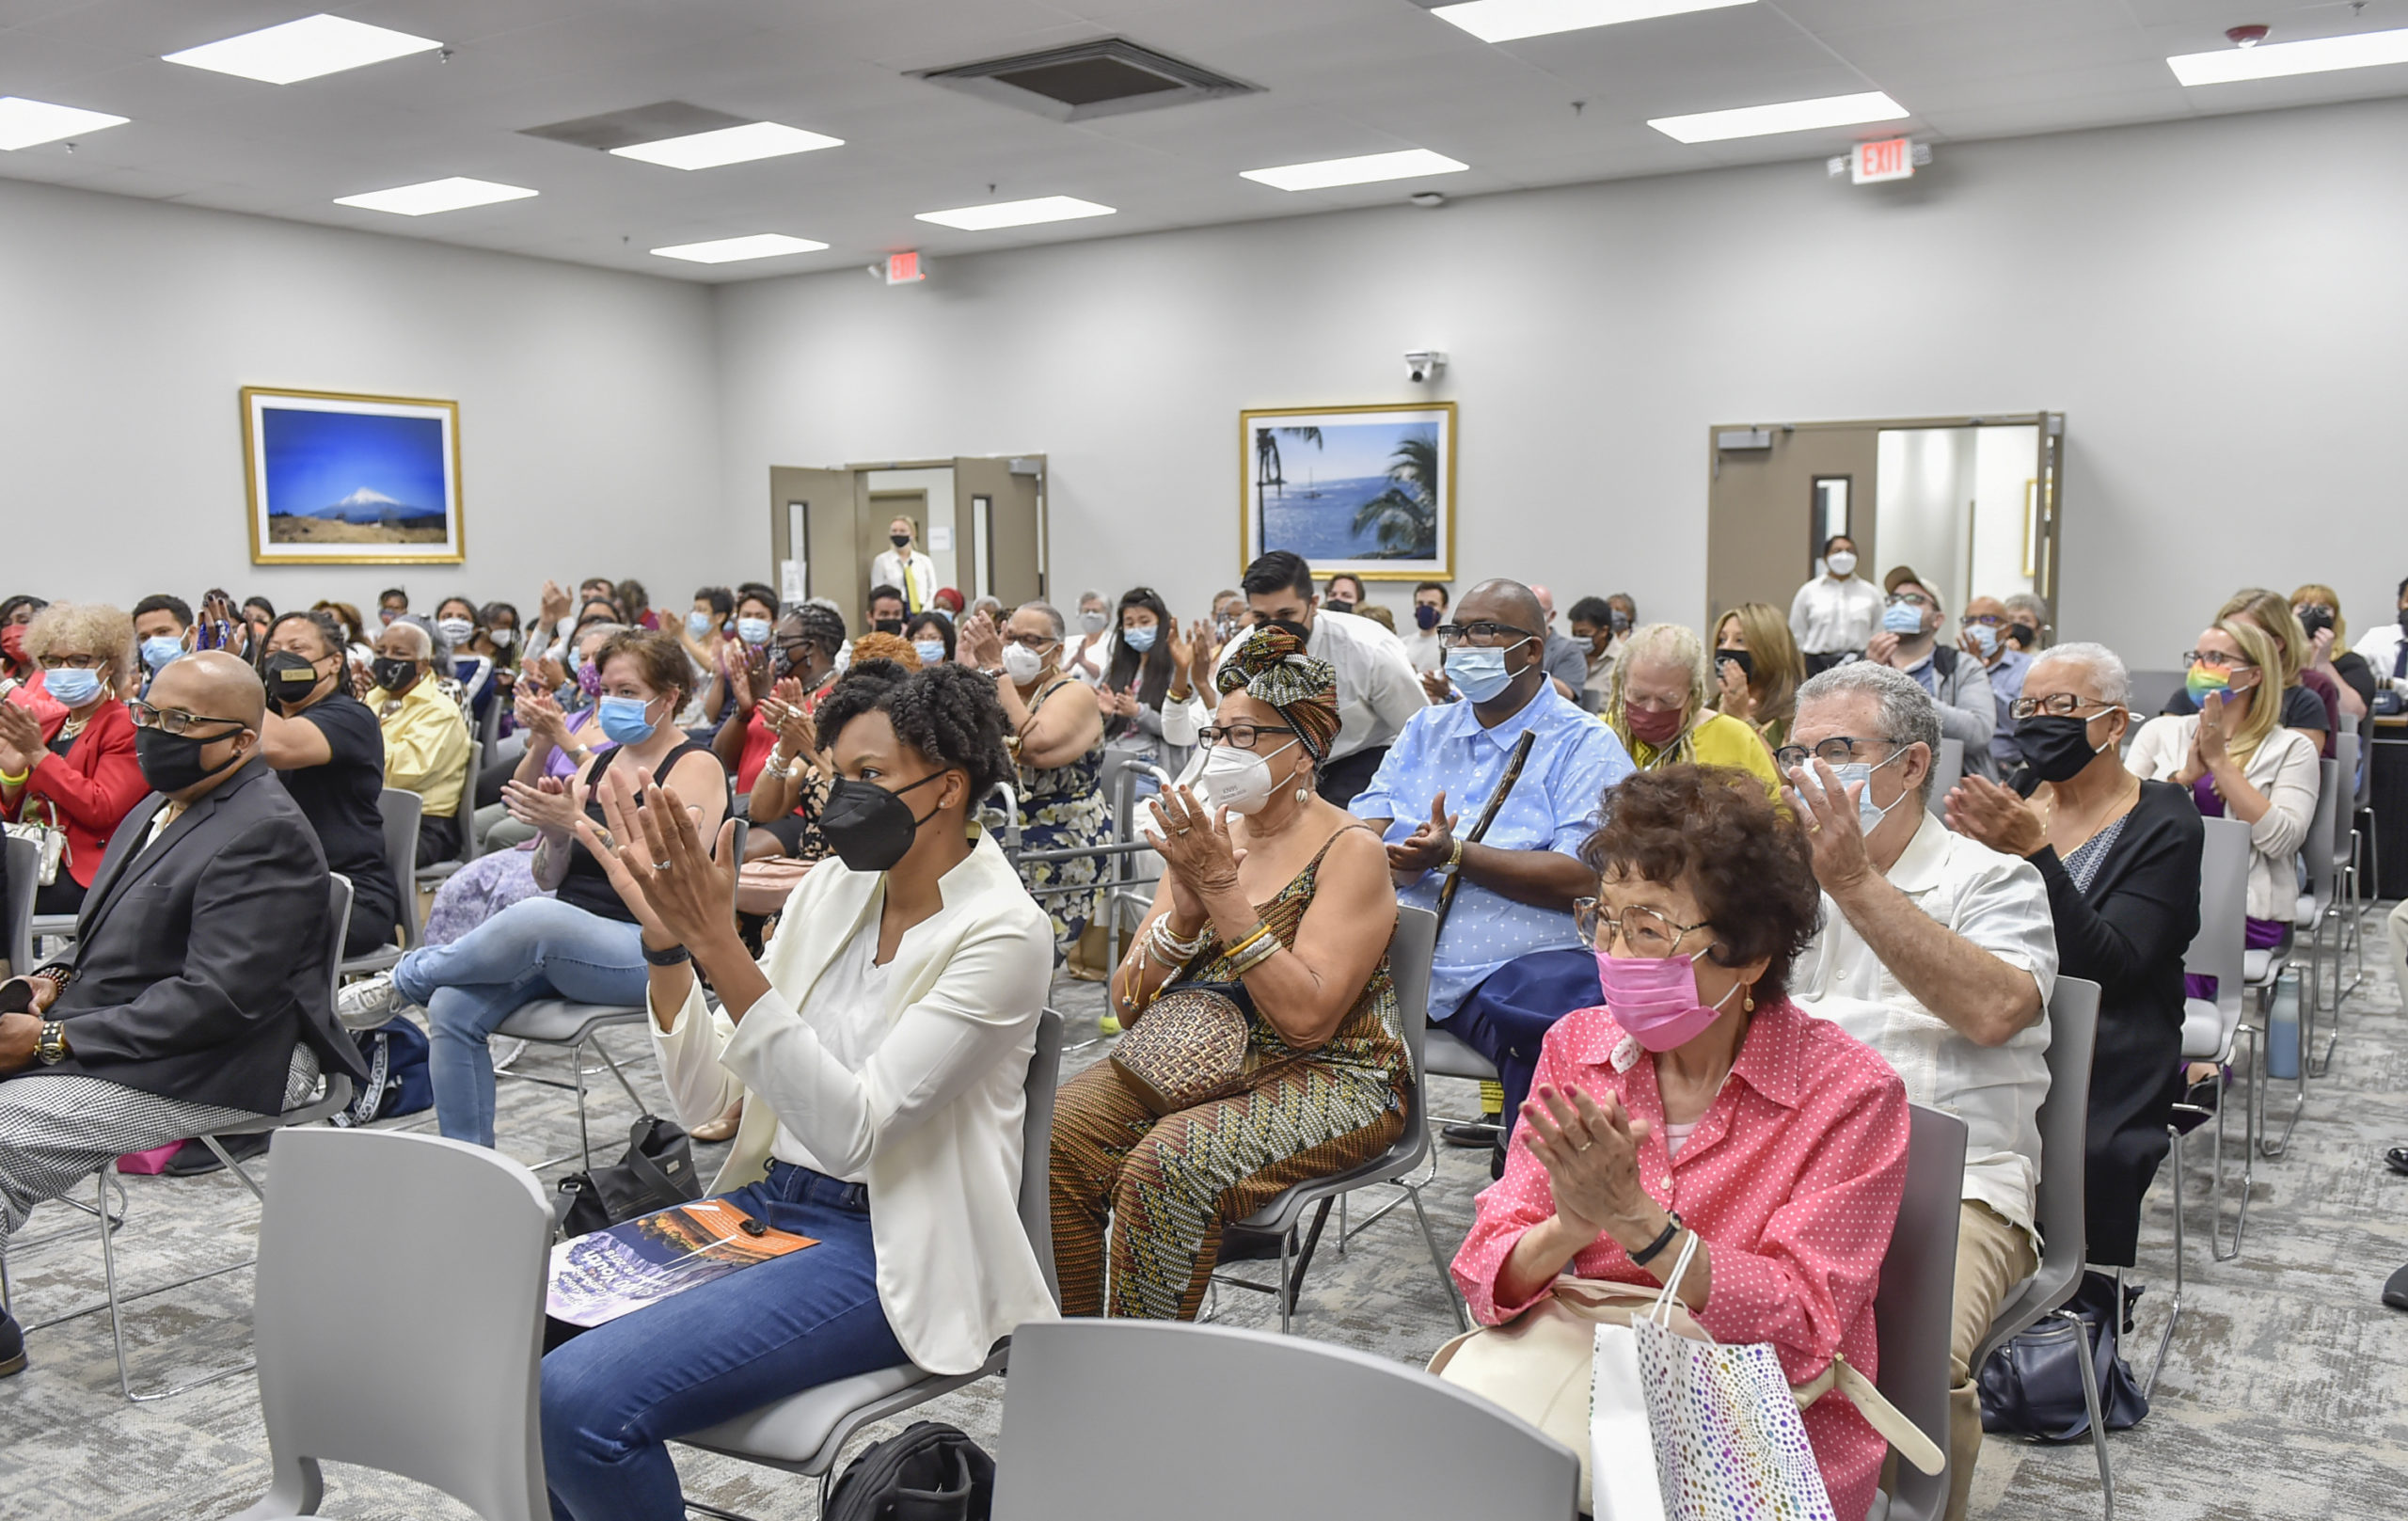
(198, 996)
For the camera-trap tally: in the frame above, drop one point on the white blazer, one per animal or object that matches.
(933, 1117)
(2284, 769)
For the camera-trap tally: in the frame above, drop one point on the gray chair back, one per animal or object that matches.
(339, 921)
(2065, 1119)
(2217, 950)
(2345, 761)
(447, 1239)
(1947, 769)
(2320, 846)
(2151, 691)
(1226, 1406)
(401, 811)
(1911, 1310)
(22, 864)
(1036, 1144)
(1411, 950)
(2363, 776)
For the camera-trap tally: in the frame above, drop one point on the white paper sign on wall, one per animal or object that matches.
(940, 538)
(790, 587)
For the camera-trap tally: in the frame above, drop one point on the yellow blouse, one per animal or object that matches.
(1717, 739)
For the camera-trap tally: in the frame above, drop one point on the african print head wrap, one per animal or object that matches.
(1271, 664)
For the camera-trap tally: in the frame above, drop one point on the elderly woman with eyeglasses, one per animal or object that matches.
(2120, 857)
(1658, 706)
(76, 771)
(1698, 1101)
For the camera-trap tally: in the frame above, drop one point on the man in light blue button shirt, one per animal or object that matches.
(1520, 882)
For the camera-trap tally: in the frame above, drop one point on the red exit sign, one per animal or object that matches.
(904, 268)
(1891, 159)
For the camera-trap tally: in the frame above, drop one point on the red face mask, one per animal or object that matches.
(1653, 726)
(12, 643)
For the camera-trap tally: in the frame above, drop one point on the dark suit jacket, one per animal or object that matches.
(204, 959)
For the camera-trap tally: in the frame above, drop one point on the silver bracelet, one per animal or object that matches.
(1169, 949)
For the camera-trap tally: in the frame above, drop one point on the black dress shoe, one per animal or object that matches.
(2396, 1160)
(196, 1158)
(1473, 1134)
(13, 1346)
(2395, 1293)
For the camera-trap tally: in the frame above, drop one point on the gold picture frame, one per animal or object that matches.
(2030, 523)
(1378, 478)
(337, 478)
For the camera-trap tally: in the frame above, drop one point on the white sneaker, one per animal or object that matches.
(367, 1004)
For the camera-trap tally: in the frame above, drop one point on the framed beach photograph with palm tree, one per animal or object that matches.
(1365, 490)
(336, 478)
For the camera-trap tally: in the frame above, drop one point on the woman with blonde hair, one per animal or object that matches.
(2240, 762)
(1757, 669)
(73, 770)
(2308, 703)
(2318, 608)
(1657, 705)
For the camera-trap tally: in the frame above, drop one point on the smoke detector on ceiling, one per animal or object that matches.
(1107, 77)
(2246, 37)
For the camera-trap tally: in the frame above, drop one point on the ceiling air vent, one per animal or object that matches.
(1092, 79)
(637, 124)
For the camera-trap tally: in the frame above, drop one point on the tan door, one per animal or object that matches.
(999, 527)
(812, 521)
(1769, 509)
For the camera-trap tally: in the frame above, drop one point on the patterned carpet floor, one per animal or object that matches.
(2286, 1394)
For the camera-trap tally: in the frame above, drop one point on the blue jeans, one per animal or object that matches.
(614, 1396)
(537, 947)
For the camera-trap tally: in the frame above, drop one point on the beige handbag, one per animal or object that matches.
(50, 842)
(1539, 1366)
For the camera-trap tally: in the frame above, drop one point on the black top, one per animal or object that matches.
(585, 885)
(2128, 934)
(2355, 675)
(340, 798)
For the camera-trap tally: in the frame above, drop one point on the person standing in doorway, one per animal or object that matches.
(1834, 614)
(904, 567)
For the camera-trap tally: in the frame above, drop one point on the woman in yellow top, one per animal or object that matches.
(1657, 705)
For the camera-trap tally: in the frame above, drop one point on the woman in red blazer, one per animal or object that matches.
(76, 771)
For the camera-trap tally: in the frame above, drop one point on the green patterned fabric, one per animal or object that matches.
(1271, 664)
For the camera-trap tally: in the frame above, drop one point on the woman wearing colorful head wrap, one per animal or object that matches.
(1282, 901)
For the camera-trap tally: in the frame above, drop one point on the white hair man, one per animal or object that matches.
(426, 736)
(1938, 953)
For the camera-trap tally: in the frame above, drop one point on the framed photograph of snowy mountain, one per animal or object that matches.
(1367, 491)
(341, 480)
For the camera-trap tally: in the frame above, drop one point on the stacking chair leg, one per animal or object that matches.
(2090, 1401)
(2261, 1080)
(2181, 1254)
(1438, 1259)
(2248, 1156)
(117, 1300)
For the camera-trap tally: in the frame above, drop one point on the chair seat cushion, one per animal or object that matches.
(2256, 966)
(560, 1021)
(1446, 1056)
(795, 1429)
(2202, 1030)
(2306, 914)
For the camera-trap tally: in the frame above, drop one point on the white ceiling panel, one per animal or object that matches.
(1336, 77)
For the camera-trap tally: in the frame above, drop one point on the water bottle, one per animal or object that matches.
(2282, 1028)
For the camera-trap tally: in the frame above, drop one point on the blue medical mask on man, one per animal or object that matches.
(160, 648)
(1985, 638)
(1903, 619)
(753, 631)
(1481, 671)
(627, 720)
(1868, 813)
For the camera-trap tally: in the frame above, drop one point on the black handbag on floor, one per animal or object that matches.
(932, 1472)
(657, 1172)
(2032, 1387)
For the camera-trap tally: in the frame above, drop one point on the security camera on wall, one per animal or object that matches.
(1424, 364)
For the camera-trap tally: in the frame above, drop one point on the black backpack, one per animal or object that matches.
(932, 1472)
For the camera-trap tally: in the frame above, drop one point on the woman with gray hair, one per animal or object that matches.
(2120, 857)
(1657, 703)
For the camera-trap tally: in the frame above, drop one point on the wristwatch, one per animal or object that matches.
(1454, 859)
(671, 956)
(49, 1048)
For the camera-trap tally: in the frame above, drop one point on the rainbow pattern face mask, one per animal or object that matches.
(2205, 678)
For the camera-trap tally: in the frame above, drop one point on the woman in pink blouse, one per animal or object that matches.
(1700, 1099)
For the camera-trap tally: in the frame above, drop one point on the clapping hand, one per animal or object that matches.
(1591, 1154)
(984, 642)
(548, 804)
(1430, 843)
(796, 734)
(1202, 653)
(1436, 687)
(552, 603)
(1832, 829)
(1880, 647)
(2208, 741)
(1199, 850)
(1734, 683)
(19, 737)
(540, 714)
(1980, 809)
(655, 857)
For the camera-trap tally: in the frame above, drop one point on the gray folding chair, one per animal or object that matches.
(445, 1240)
(806, 1433)
(2065, 1120)
(1947, 769)
(563, 1022)
(1446, 1056)
(401, 811)
(1409, 954)
(1293, 1430)
(17, 887)
(2151, 691)
(2307, 938)
(2345, 906)
(2362, 806)
(464, 815)
(1913, 1307)
(2210, 1029)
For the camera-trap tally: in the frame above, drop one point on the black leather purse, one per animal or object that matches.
(657, 1173)
(2032, 1387)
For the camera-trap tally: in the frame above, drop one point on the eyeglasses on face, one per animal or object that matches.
(2060, 704)
(1481, 633)
(1642, 932)
(1031, 642)
(1988, 620)
(1241, 734)
(2217, 659)
(174, 720)
(1912, 599)
(1837, 750)
(71, 662)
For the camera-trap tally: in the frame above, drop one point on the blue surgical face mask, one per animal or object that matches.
(1901, 618)
(698, 623)
(931, 651)
(1481, 673)
(1868, 813)
(1140, 638)
(625, 720)
(72, 687)
(160, 648)
(753, 630)
(1985, 638)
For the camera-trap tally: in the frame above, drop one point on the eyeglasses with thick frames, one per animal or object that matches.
(2218, 658)
(1242, 736)
(1912, 599)
(1032, 641)
(1988, 620)
(1643, 932)
(1481, 633)
(175, 720)
(1838, 750)
(2058, 704)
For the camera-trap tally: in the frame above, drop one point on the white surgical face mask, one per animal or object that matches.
(1239, 780)
(1022, 664)
(1842, 562)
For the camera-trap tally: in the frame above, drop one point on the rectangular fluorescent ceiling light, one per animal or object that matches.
(434, 195)
(24, 123)
(1504, 20)
(728, 250)
(304, 49)
(2272, 60)
(1016, 213)
(1354, 171)
(1789, 116)
(728, 145)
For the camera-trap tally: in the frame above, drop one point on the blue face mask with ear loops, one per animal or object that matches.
(1903, 619)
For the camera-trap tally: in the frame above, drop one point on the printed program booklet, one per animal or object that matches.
(596, 1278)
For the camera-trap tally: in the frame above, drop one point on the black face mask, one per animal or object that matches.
(1338, 605)
(2313, 618)
(289, 677)
(2403, 619)
(888, 625)
(869, 827)
(898, 540)
(393, 674)
(171, 762)
(1742, 659)
(2022, 634)
(2056, 746)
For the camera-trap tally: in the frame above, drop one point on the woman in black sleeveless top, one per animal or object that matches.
(581, 944)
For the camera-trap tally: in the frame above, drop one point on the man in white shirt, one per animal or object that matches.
(1377, 691)
(2385, 648)
(1422, 650)
(904, 568)
(1940, 953)
(1835, 613)
(1087, 653)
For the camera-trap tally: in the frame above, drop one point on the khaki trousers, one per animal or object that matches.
(2398, 925)
(1992, 1257)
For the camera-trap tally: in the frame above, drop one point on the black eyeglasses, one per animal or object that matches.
(1837, 750)
(1912, 599)
(2058, 704)
(2217, 659)
(1988, 620)
(174, 720)
(1482, 632)
(1241, 734)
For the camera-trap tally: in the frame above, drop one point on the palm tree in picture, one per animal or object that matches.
(1406, 513)
(1267, 473)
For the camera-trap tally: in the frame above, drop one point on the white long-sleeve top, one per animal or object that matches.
(1377, 690)
(931, 1117)
(2284, 769)
(1827, 616)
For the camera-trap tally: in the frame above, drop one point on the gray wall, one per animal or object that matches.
(2214, 304)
